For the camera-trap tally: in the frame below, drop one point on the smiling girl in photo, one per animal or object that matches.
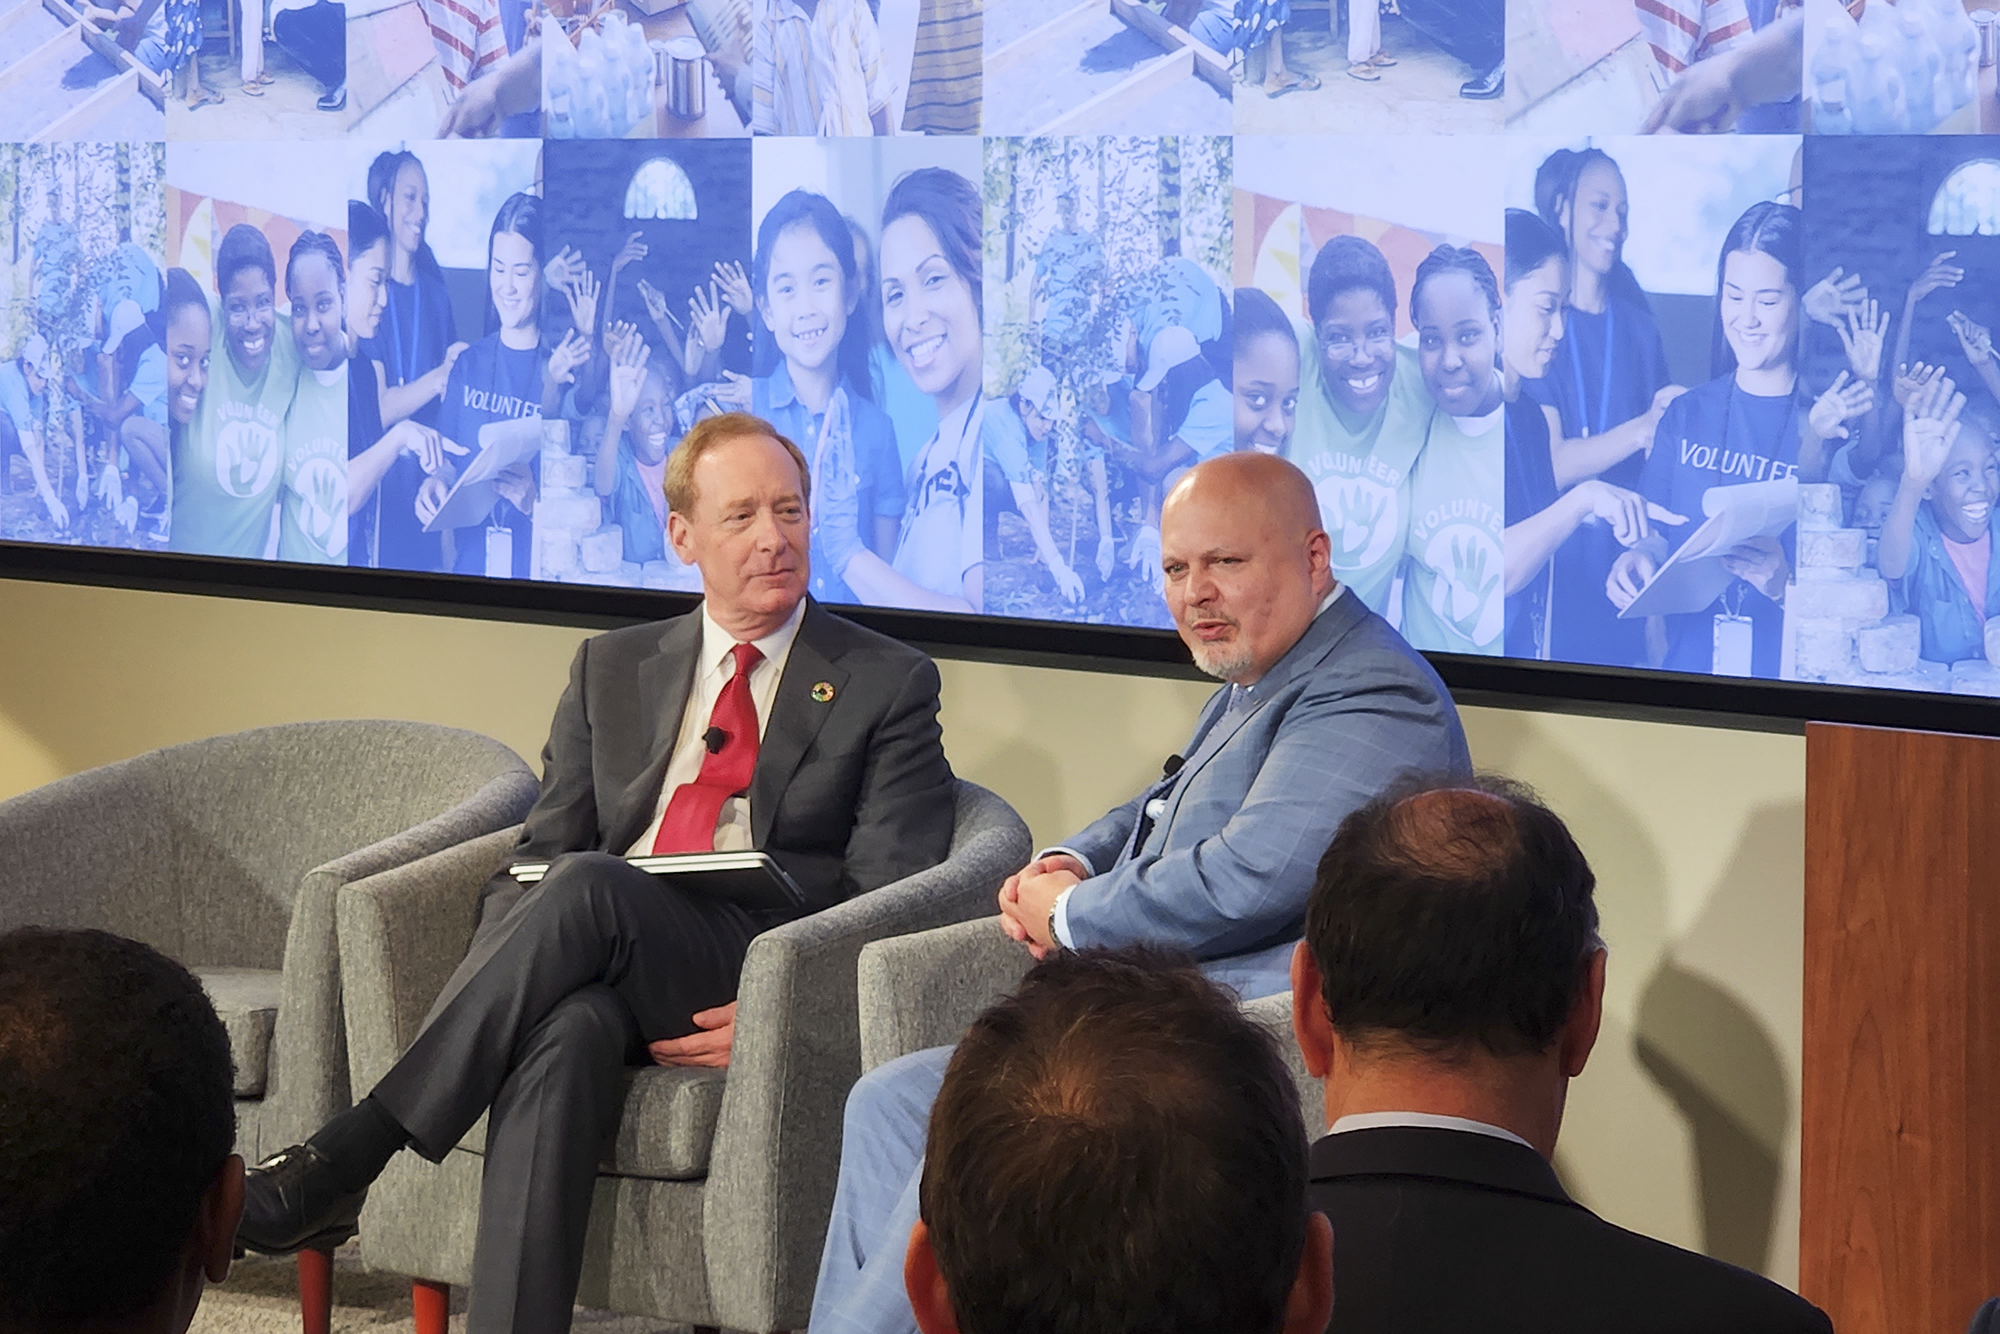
(228, 470)
(1361, 413)
(807, 287)
(312, 523)
(1453, 601)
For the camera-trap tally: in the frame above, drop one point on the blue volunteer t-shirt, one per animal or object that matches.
(1718, 435)
(491, 383)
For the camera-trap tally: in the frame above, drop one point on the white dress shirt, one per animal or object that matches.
(1239, 697)
(712, 673)
(1422, 1121)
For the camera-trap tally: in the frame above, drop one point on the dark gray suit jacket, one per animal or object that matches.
(1450, 1230)
(850, 793)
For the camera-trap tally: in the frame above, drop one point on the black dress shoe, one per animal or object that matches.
(291, 1202)
(1485, 87)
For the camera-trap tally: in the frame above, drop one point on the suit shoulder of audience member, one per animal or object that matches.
(1725, 1298)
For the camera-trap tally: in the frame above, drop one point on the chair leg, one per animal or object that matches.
(316, 1291)
(431, 1304)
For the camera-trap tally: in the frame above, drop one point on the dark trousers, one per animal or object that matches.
(1474, 31)
(540, 1021)
(316, 37)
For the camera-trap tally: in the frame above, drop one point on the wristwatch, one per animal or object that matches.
(1055, 941)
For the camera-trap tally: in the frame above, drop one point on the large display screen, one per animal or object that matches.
(1619, 335)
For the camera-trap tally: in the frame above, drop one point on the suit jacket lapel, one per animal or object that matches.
(665, 681)
(796, 717)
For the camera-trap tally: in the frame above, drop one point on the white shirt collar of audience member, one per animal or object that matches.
(1422, 1121)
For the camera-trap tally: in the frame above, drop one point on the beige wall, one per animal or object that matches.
(1685, 1125)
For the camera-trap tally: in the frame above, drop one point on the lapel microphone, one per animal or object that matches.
(715, 738)
(1172, 766)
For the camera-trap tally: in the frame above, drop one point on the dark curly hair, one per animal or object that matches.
(116, 1114)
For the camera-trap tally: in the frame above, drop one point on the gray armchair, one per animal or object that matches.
(227, 854)
(924, 990)
(712, 1203)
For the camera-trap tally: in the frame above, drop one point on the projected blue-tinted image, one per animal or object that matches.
(1568, 388)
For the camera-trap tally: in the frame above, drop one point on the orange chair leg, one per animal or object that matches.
(431, 1304)
(316, 1291)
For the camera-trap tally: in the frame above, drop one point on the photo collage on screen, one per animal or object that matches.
(438, 286)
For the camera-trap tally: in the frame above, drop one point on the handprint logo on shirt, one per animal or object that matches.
(1466, 591)
(322, 491)
(246, 458)
(1361, 516)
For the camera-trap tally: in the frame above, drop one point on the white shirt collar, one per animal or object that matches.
(1330, 598)
(716, 642)
(1422, 1120)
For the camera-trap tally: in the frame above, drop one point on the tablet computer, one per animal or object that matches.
(750, 880)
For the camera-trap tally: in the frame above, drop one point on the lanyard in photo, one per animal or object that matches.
(406, 371)
(1576, 361)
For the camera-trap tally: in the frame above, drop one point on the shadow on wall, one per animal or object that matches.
(1693, 1037)
(1710, 1050)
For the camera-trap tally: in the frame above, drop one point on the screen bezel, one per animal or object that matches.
(1499, 682)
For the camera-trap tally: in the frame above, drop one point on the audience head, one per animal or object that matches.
(1451, 938)
(1246, 562)
(737, 493)
(118, 1191)
(1117, 1148)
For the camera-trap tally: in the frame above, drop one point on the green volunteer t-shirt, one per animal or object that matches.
(1454, 586)
(312, 524)
(1360, 468)
(230, 462)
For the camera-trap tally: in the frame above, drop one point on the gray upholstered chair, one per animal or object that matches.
(227, 855)
(924, 990)
(712, 1204)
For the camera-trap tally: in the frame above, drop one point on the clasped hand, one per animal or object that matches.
(1029, 896)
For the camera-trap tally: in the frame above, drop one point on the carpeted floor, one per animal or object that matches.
(262, 1297)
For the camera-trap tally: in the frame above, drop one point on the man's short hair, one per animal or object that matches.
(1452, 913)
(1116, 1148)
(116, 1114)
(711, 432)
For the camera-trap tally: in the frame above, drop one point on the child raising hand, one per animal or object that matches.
(1937, 541)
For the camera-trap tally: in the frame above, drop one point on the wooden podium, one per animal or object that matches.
(1899, 1193)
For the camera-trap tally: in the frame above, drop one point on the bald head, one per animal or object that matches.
(1273, 488)
(1246, 561)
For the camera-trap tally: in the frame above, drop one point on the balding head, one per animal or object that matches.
(1452, 916)
(1246, 561)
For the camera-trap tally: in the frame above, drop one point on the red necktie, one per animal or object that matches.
(689, 824)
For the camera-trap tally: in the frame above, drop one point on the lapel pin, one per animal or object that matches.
(822, 692)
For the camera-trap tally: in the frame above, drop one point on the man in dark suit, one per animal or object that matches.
(1449, 986)
(760, 721)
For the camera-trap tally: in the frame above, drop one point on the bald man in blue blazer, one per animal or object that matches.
(1325, 706)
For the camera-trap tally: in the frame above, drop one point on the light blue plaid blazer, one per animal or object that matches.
(1270, 772)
